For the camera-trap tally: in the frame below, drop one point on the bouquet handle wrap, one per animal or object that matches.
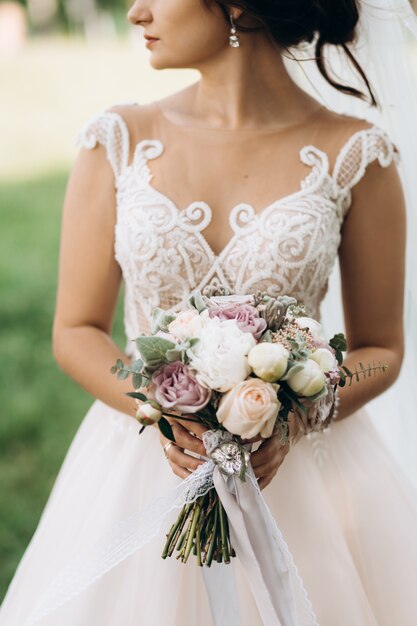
(268, 564)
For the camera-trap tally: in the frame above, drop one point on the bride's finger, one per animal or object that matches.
(195, 427)
(185, 440)
(181, 472)
(177, 456)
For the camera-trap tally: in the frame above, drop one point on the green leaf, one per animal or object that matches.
(113, 369)
(266, 337)
(294, 344)
(347, 370)
(137, 395)
(293, 368)
(136, 366)
(122, 374)
(338, 342)
(196, 301)
(153, 349)
(160, 320)
(137, 381)
(119, 364)
(165, 428)
(174, 355)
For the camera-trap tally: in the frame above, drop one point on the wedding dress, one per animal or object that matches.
(346, 510)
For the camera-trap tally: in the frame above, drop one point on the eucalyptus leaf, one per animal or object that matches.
(119, 364)
(122, 374)
(113, 369)
(137, 381)
(136, 366)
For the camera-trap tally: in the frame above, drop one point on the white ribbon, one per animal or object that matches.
(269, 566)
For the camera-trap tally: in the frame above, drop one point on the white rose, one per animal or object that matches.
(269, 360)
(186, 324)
(325, 359)
(250, 408)
(314, 327)
(220, 357)
(309, 380)
(148, 413)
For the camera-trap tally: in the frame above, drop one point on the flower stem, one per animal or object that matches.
(223, 533)
(192, 529)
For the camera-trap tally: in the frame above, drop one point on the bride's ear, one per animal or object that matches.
(235, 12)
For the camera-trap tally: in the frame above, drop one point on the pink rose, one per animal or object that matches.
(246, 316)
(176, 387)
(250, 408)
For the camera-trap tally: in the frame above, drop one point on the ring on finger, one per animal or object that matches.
(167, 447)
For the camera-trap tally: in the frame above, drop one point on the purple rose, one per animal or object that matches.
(176, 388)
(246, 316)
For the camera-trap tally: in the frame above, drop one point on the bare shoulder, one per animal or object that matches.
(137, 117)
(340, 127)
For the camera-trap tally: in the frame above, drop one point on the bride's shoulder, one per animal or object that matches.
(342, 127)
(352, 144)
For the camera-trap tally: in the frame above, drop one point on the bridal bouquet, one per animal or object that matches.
(246, 367)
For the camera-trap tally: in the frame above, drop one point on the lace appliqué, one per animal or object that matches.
(290, 246)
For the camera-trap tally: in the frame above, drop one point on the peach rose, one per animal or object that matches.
(250, 408)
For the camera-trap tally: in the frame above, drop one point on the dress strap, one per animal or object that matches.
(109, 129)
(361, 149)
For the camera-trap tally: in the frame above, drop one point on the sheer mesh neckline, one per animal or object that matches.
(289, 247)
(214, 129)
(309, 184)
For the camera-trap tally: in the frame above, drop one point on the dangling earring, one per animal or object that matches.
(233, 39)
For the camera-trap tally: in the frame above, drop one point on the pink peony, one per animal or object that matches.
(176, 388)
(246, 316)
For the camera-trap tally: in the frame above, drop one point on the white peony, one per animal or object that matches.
(325, 359)
(148, 414)
(314, 327)
(269, 361)
(309, 380)
(220, 357)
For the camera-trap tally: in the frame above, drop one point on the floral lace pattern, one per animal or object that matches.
(290, 246)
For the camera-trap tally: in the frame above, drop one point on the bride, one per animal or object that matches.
(242, 179)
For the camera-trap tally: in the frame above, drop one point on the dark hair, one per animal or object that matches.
(292, 22)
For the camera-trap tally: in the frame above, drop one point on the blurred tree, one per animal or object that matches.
(87, 17)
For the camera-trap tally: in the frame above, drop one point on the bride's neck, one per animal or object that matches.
(247, 86)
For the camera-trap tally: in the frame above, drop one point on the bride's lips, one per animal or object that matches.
(150, 40)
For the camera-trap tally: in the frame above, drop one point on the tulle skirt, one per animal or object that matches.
(345, 508)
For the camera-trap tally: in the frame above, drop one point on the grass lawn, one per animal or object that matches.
(53, 87)
(41, 407)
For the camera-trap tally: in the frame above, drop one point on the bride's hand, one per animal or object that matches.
(267, 459)
(183, 464)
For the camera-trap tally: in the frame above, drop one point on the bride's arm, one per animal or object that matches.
(372, 266)
(89, 280)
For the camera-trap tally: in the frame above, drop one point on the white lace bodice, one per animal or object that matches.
(290, 246)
